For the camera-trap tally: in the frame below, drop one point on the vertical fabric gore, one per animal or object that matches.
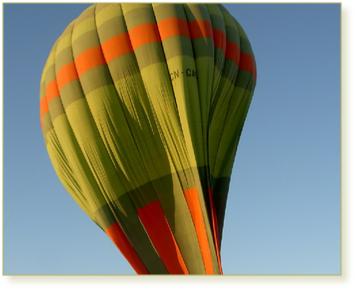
(156, 225)
(120, 240)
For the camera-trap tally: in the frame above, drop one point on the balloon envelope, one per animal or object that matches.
(142, 107)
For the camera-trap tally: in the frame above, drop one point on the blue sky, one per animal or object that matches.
(283, 212)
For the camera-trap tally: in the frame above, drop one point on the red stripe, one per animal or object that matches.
(248, 63)
(52, 91)
(191, 196)
(43, 108)
(233, 52)
(200, 28)
(160, 233)
(173, 26)
(119, 238)
(215, 227)
(220, 39)
(143, 34)
(66, 74)
(88, 59)
(115, 46)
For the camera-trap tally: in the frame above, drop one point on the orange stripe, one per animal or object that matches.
(143, 34)
(89, 59)
(215, 227)
(52, 91)
(201, 28)
(191, 196)
(219, 39)
(233, 52)
(248, 63)
(43, 108)
(116, 46)
(160, 233)
(119, 238)
(173, 26)
(66, 74)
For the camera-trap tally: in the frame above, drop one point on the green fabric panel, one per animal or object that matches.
(71, 163)
(222, 98)
(137, 14)
(111, 27)
(221, 188)
(124, 66)
(62, 57)
(195, 11)
(50, 73)
(153, 50)
(204, 48)
(137, 235)
(219, 111)
(56, 108)
(65, 173)
(71, 92)
(95, 78)
(229, 139)
(124, 211)
(230, 72)
(133, 101)
(104, 8)
(203, 194)
(84, 23)
(86, 40)
(216, 16)
(47, 126)
(204, 62)
(90, 145)
(246, 80)
(42, 90)
(65, 40)
(182, 70)
(219, 194)
(177, 46)
(218, 23)
(245, 43)
(163, 11)
(136, 109)
(175, 208)
(77, 162)
(186, 90)
(163, 104)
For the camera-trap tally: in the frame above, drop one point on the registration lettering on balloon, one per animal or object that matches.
(187, 72)
(141, 143)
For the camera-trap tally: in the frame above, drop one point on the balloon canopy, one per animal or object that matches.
(142, 107)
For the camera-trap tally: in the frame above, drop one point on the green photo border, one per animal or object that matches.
(347, 271)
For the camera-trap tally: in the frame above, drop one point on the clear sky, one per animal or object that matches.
(283, 212)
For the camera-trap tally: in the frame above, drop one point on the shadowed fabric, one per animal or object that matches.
(142, 107)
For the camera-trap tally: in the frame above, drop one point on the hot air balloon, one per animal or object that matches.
(142, 108)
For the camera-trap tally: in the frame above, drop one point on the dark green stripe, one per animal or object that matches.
(85, 41)
(138, 16)
(71, 92)
(112, 27)
(149, 53)
(164, 11)
(56, 108)
(95, 78)
(123, 66)
(177, 46)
